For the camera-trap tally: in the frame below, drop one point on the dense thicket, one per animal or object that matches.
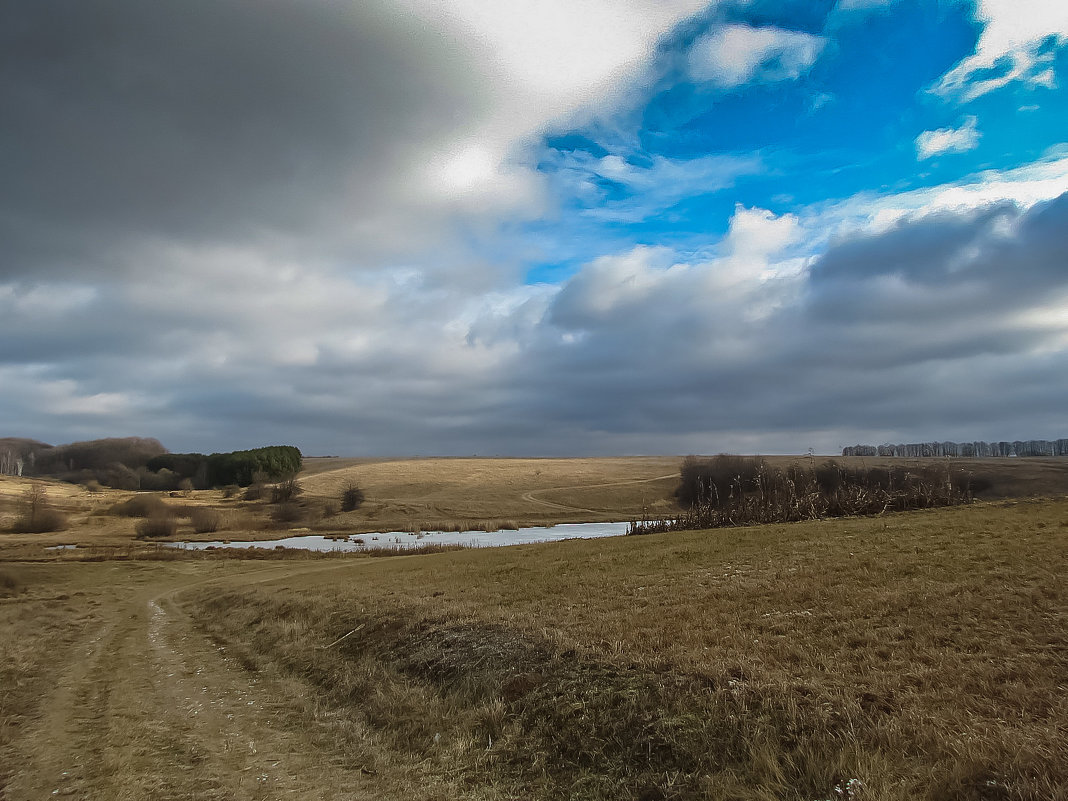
(733, 490)
(273, 463)
(97, 455)
(1029, 447)
(18, 455)
(117, 462)
(142, 463)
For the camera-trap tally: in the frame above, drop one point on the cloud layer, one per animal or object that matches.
(539, 228)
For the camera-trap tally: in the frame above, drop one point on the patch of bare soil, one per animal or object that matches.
(148, 707)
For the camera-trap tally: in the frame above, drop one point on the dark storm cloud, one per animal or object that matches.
(207, 120)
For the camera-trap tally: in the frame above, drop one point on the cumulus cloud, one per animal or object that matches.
(736, 54)
(948, 140)
(868, 335)
(1010, 47)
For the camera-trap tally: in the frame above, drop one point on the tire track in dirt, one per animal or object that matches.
(152, 709)
(531, 497)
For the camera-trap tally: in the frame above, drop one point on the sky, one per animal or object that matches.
(540, 227)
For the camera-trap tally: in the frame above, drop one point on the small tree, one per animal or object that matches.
(352, 498)
(36, 516)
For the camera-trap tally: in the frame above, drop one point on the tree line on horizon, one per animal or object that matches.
(142, 463)
(980, 449)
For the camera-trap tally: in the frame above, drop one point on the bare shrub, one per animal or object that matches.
(35, 515)
(254, 492)
(141, 506)
(287, 513)
(206, 521)
(352, 498)
(157, 526)
(285, 491)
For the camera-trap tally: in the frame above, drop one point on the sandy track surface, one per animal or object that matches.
(150, 708)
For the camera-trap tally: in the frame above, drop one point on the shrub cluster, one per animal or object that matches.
(141, 506)
(205, 521)
(285, 491)
(733, 491)
(158, 525)
(287, 513)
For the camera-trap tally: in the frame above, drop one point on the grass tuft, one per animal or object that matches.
(157, 526)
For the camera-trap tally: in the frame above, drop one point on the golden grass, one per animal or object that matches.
(411, 492)
(912, 656)
(432, 494)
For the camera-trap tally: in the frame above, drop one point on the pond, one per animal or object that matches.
(402, 540)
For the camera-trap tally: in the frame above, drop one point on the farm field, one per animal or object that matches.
(919, 655)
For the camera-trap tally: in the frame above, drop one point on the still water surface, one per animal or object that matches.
(402, 540)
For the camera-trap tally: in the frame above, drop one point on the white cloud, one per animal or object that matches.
(1012, 31)
(737, 54)
(948, 140)
(1023, 186)
(563, 51)
(539, 62)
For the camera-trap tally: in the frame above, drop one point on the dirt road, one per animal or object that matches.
(533, 495)
(148, 707)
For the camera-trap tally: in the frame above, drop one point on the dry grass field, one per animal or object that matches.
(403, 495)
(919, 655)
(915, 656)
(431, 494)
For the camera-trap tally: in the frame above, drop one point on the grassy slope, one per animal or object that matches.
(530, 491)
(923, 655)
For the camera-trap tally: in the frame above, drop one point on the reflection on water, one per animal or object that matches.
(402, 540)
